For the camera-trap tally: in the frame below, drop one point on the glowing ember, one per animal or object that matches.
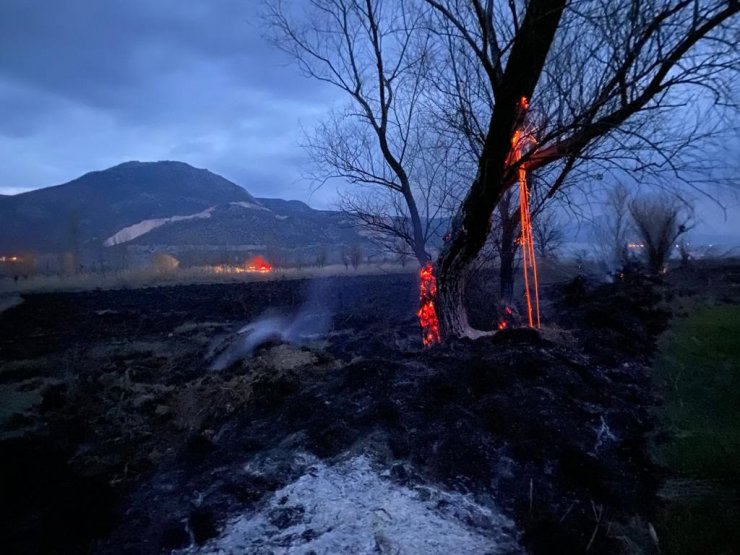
(504, 322)
(256, 264)
(259, 264)
(531, 285)
(427, 312)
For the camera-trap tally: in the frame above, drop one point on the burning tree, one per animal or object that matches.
(627, 64)
(602, 78)
(377, 53)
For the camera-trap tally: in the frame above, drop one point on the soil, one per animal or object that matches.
(123, 440)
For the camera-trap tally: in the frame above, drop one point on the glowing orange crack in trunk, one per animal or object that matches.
(427, 312)
(529, 262)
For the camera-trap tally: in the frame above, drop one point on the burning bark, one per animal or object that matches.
(427, 306)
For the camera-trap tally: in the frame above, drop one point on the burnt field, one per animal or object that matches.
(119, 437)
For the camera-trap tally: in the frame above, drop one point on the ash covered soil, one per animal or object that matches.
(117, 437)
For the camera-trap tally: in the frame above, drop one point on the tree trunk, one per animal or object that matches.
(656, 261)
(506, 276)
(419, 245)
(451, 311)
(507, 247)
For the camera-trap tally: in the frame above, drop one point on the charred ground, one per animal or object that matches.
(124, 441)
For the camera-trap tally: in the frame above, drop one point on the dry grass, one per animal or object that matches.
(150, 277)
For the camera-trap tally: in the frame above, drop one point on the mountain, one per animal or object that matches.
(96, 205)
(162, 206)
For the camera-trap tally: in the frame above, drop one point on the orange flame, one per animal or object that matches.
(427, 312)
(504, 322)
(259, 264)
(256, 264)
(527, 239)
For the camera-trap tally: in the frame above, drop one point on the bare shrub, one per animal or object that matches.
(355, 255)
(659, 220)
(612, 230)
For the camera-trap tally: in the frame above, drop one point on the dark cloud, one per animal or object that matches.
(89, 83)
(86, 84)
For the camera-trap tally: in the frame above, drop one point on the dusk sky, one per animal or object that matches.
(85, 85)
(88, 84)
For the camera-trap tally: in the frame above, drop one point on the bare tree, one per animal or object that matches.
(612, 230)
(604, 79)
(464, 105)
(684, 251)
(345, 255)
(629, 64)
(505, 233)
(355, 255)
(373, 52)
(380, 209)
(402, 254)
(504, 240)
(659, 220)
(548, 233)
(322, 256)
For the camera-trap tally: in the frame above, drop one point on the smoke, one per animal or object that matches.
(310, 321)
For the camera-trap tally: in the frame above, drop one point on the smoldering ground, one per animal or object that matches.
(299, 326)
(537, 430)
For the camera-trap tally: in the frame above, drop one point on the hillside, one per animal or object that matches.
(90, 208)
(161, 205)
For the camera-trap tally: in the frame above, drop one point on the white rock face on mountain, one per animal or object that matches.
(131, 232)
(250, 205)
